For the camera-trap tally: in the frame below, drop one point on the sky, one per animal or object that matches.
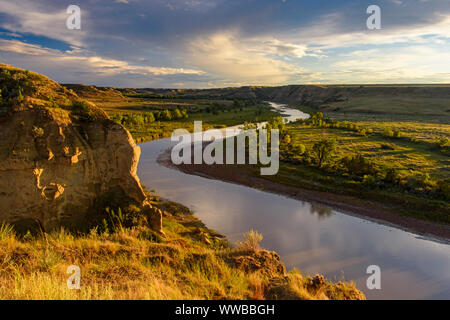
(223, 43)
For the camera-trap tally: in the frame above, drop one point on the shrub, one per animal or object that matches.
(177, 114)
(392, 176)
(38, 132)
(398, 134)
(388, 132)
(166, 115)
(369, 180)
(358, 165)
(299, 149)
(444, 189)
(420, 181)
(443, 143)
(150, 118)
(83, 110)
(251, 241)
(286, 140)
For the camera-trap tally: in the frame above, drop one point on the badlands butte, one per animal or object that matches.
(69, 195)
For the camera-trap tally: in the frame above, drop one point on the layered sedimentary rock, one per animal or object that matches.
(56, 165)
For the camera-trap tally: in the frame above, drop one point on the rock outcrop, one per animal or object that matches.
(59, 157)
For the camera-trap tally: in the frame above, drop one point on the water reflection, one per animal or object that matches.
(312, 238)
(321, 211)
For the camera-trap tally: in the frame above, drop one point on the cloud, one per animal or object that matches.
(327, 32)
(414, 63)
(25, 16)
(206, 43)
(78, 61)
(232, 57)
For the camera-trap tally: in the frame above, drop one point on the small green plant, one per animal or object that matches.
(114, 222)
(6, 231)
(82, 109)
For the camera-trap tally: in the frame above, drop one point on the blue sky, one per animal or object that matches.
(220, 43)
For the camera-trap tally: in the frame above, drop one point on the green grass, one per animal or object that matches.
(412, 156)
(394, 104)
(220, 118)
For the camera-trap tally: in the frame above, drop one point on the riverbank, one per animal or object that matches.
(188, 262)
(374, 211)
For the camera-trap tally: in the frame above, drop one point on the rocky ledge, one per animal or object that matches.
(61, 158)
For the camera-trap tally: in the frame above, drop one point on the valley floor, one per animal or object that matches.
(375, 210)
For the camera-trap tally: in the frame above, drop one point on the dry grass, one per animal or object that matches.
(191, 262)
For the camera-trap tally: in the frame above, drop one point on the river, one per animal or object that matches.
(312, 238)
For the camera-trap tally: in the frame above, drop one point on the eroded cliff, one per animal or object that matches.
(60, 157)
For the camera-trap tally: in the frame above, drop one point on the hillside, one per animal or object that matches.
(339, 99)
(69, 195)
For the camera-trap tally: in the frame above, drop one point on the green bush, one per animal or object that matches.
(388, 132)
(420, 181)
(392, 176)
(444, 189)
(443, 143)
(358, 165)
(83, 110)
(369, 180)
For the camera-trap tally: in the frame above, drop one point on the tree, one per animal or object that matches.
(358, 165)
(166, 115)
(150, 118)
(19, 97)
(177, 114)
(299, 149)
(324, 149)
(184, 112)
(286, 140)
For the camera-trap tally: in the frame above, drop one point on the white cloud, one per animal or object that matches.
(326, 33)
(244, 60)
(79, 60)
(29, 17)
(417, 63)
